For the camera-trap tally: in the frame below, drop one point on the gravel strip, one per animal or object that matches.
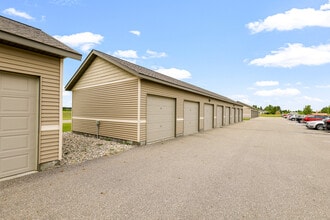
(78, 148)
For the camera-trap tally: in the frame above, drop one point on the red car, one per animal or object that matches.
(313, 118)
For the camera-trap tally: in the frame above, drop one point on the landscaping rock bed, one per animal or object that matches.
(78, 148)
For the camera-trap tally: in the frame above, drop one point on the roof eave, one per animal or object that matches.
(39, 46)
(89, 59)
(186, 89)
(244, 104)
(74, 79)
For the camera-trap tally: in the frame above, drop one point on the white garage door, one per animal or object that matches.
(232, 115)
(18, 124)
(219, 116)
(160, 118)
(208, 117)
(236, 115)
(191, 117)
(227, 116)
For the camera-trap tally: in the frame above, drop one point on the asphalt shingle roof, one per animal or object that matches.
(31, 33)
(147, 74)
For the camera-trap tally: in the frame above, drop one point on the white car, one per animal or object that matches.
(318, 125)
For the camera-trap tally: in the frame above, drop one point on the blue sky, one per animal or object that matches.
(255, 51)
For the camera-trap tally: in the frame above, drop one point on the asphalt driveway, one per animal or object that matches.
(265, 168)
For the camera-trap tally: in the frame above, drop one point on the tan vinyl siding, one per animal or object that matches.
(116, 101)
(48, 70)
(179, 116)
(50, 147)
(115, 105)
(124, 131)
(101, 72)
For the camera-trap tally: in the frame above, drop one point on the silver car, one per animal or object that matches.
(318, 125)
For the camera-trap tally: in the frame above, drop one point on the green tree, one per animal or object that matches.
(268, 109)
(307, 110)
(277, 110)
(300, 112)
(326, 110)
(273, 109)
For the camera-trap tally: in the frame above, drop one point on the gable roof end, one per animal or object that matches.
(28, 37)
(143, 73)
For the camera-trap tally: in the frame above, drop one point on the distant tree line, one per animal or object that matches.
(270, 109)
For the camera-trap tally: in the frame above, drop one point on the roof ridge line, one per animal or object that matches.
(21, 23)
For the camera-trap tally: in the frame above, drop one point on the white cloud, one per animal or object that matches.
(241, 98)
(295, 55)
(132, 54)
(311, 99)
(325, 6)
(67, 98)
(137, 33)
(14, 12)
(175, 73)
(323, 86)
(64, 2)
(126, 54)
(66, 93)
(267, 83)
(278, 92)
(84, 41)
(293, 19)
(154, 54)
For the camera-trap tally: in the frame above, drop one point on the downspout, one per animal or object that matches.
(139, 112)
(97, 128)
(60, 149)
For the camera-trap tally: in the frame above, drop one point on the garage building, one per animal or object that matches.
(249, 112)
(31, 65)
(115, 98)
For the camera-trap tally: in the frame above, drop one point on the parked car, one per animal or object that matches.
(327, 124)
(292, 117)
(300, 118)
(296, 117)
(314, 118)
(318, 125)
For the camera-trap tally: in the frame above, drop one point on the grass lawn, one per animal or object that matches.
(66, 116)
(270, 115)
(66, 127)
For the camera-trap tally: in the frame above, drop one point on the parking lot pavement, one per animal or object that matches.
(265, 168)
